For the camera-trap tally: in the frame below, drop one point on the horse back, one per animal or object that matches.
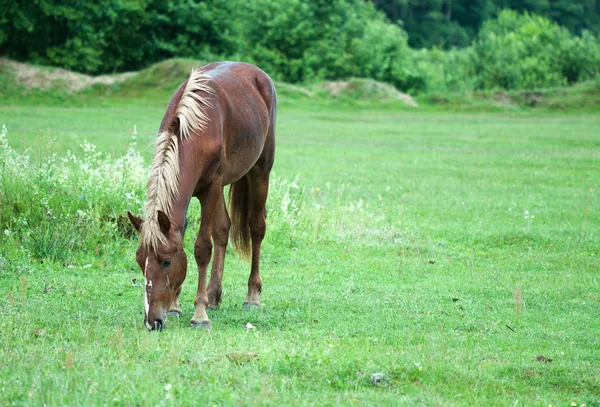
(244, 116)
(239, 132)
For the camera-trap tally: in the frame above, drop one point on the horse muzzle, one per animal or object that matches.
(155, 324)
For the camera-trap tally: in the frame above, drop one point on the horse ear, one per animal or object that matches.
(135, 221)
(164, 222)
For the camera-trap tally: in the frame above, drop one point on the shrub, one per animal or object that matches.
(522, 51)
(299, 41)
(440, 71)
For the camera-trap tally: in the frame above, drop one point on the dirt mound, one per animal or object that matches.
(527, 98)
(170, 73)
(43, 77)
(360, 88)
(292, 90)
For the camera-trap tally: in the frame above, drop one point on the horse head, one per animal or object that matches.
(164, 265)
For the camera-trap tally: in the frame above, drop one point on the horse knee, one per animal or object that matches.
(221, 234)
(203, 251)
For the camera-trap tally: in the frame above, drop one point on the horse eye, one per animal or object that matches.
(166, 263)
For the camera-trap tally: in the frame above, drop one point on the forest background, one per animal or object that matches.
(416, 45)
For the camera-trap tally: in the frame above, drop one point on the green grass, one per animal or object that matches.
(582, 97)
(402, 251)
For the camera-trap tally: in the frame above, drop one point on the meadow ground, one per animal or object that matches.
(455, 254)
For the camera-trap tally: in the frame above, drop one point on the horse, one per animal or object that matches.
(218, 130)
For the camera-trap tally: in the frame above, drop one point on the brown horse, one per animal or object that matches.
(218, 130)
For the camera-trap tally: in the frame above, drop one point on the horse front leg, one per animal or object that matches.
(220, 234)
(209, 200)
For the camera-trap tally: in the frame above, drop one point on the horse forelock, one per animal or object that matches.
(163, 181)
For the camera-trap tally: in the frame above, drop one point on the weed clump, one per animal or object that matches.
(56, 206)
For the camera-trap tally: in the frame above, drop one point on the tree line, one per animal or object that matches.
(455, 23)
(416, 45)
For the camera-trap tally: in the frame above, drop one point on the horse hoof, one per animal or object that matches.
(174, 313)
(252, 305)
(207, 325)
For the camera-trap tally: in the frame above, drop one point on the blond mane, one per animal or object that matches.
(163, 181)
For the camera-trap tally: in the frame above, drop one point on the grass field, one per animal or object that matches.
(455, 254)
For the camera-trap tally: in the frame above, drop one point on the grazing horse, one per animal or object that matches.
(218, 130)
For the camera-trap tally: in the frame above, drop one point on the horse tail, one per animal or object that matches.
(239, 211)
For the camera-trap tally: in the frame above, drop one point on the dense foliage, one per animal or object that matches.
(447, 23)
(513, 51)
(523, 51)
(310, 40)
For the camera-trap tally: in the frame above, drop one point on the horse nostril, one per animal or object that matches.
(158, 325)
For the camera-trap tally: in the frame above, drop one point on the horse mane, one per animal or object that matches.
(163, 181)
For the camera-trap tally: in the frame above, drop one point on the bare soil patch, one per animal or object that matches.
(43, 77)
(367, 89)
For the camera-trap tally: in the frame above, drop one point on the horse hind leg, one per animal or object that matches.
(259, 188)
(220, 234)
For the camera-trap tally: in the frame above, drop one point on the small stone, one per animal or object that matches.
(543, 358)
(378, 378)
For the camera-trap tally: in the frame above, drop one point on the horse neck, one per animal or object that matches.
(187, 186)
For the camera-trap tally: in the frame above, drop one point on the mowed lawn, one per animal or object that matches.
(436, 258)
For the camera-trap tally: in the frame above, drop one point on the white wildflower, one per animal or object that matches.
(3, 139)
(285, 202)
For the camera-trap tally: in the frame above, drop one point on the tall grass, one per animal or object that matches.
(55, 206)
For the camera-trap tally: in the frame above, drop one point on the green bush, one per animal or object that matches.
(381, 53)
(300, 41)
(522, 51)
(113, 35)
(439, 71)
